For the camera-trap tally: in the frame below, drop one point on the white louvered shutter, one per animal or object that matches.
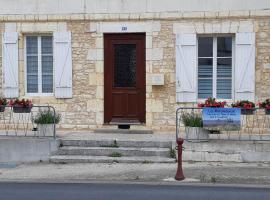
(186, 68)
(63, 64)
(245, 66)
(10, 64)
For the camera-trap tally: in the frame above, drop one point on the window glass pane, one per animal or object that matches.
(224, 46)
(47, 64)
(224, 78)
(205, 75)
(46, 45)
(205, 88)
(47, 83)
(32, 64)
(205, 45)
(32, 86)
(125, 65)
(224, 68)
(32, 45)
(205, 68)
(47, 74)
(224, 88)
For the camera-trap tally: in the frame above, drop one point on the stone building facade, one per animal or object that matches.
(84, 109)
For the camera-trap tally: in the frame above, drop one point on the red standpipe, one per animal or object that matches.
(179, 174)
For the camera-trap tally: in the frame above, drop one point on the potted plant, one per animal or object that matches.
(21, 106)
(266, 105)
(212, 103)
(247, 107)
(3, 103)
(194, 127)
(46, 120)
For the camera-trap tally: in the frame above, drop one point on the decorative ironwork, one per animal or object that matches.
(15, 122)
(254, 127)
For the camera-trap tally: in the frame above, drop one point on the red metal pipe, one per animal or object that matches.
(179, 174)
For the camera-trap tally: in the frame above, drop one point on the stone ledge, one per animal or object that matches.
(138, 16)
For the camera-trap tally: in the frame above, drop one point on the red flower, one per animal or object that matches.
(211, 102)
(23, 103)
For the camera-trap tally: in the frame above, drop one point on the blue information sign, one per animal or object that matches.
(222, 118)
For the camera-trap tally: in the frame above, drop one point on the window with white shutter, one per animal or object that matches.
(39, 65)
(186, 68)
(215, 67)
(10, 64)
(245, 66)
(63, 64)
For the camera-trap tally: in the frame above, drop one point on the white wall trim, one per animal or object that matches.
(126, 6)
(148, 27)
(212, 28)
(37, 27)
(125, 27)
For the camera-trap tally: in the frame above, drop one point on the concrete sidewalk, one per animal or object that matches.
(207, 172)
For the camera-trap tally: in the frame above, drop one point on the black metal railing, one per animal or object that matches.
(254, 126)
(20, 121)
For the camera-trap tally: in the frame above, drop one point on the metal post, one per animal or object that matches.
(179, 174)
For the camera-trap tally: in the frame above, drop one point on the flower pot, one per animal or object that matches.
(45, 130)
(21, 109)
(247, 111)
(2, 108)
(196, 134)
(267, 111)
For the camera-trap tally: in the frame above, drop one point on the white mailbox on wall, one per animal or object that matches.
(157, 79)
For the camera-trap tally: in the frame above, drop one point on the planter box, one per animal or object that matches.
(2, 108)
(20, 109)
(45, 130)
(267, 111)
(247, 111)
(196, 134)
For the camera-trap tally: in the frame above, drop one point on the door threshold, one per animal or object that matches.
(125, 122)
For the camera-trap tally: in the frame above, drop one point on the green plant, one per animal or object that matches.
(3, 101)
(265, 104)
(113, 145)
(192, 120)
(115, 154)
(147, 162)
(47, 117)
(172, 153)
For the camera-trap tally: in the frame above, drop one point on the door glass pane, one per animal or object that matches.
(32, 64)
(205, 46)
(224, 46)
(47, 64)
(205, 78)
(125, 65)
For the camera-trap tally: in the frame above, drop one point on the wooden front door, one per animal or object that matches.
(124, 78)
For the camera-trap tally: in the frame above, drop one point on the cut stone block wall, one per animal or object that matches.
(85, 109)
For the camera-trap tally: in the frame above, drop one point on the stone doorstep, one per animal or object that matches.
(107, 151)
(105, 159)
(123, 131)
(98, 150)
(120, 143)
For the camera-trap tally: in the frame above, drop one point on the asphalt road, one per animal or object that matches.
(93, 191)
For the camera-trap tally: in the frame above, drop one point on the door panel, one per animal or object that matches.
(132, 105)
(124, 68)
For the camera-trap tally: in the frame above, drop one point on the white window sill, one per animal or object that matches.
(228, 101)
(39, 94)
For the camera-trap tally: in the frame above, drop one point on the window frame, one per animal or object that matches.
(214, 81)
(39, 93)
